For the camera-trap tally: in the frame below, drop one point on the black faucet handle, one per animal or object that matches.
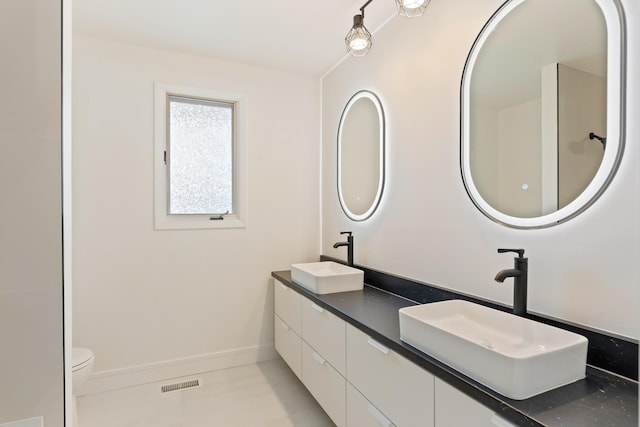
(346, 232)
(520, 252)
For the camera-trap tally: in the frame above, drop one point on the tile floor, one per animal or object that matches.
(266, 394)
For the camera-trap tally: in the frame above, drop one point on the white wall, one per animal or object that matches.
(584, 271)
(31, 349)
(143, 297)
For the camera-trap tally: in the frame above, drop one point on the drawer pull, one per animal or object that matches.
(318, 358)
(497, 420)
(284, 325)
(317, 308)
(379, 416)
(382, 348)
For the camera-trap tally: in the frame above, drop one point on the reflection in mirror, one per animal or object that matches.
(361, 139)
(541, 113)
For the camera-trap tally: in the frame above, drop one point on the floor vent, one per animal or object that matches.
(179, 386)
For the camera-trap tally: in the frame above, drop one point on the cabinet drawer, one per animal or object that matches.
(288, 345)
(399, 388)
(454, 408)
(362, 413)
(325, 384)
(287, 305)
(324, 332)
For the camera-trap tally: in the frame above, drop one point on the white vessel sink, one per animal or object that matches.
(327, 277)
(517, 357)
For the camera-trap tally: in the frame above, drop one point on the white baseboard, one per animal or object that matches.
(102, 381)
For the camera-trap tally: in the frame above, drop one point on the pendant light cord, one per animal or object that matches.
(363, 6)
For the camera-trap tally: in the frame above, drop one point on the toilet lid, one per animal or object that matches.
(80, 356)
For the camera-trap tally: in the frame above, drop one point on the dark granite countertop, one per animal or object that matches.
(600, 400)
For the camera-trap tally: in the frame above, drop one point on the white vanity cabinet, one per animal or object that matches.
(312, 342)
(325, 332)
(325, 383)
(362, 413)
(323, 358)
(287, 305)
(454, 408)
(358, 381)
(288, 344)
(400, 389)
(287, 326)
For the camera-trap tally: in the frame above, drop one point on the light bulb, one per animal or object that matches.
(358, 43)
(412, 4)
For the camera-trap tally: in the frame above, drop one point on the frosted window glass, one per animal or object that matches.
(200, 156)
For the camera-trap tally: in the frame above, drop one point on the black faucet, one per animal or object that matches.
(349, 245)
(519, 274)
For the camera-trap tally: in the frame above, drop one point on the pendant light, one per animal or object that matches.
(358, 39)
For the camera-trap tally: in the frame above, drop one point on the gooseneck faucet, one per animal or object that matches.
(519, 274)
(349, 245)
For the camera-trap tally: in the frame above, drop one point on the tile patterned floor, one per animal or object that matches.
(266, 394)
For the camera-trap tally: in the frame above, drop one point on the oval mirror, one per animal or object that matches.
(361, 139)
(543, 110)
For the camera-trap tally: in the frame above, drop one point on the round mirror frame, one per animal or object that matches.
(381, 147)
(616, 101)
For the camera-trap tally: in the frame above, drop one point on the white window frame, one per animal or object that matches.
(162, 219)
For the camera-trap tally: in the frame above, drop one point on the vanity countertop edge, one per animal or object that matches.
(601, 399)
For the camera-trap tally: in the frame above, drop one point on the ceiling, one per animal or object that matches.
(297, 36)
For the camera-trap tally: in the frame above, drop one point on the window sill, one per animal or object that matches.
(197, 222)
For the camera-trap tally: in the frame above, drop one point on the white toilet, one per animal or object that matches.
(83, 359)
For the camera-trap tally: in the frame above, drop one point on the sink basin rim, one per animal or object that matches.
(472, 311)
(326, 277)
(504, 370)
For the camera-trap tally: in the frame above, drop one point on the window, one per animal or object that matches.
(200, 156)
(197, 146)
